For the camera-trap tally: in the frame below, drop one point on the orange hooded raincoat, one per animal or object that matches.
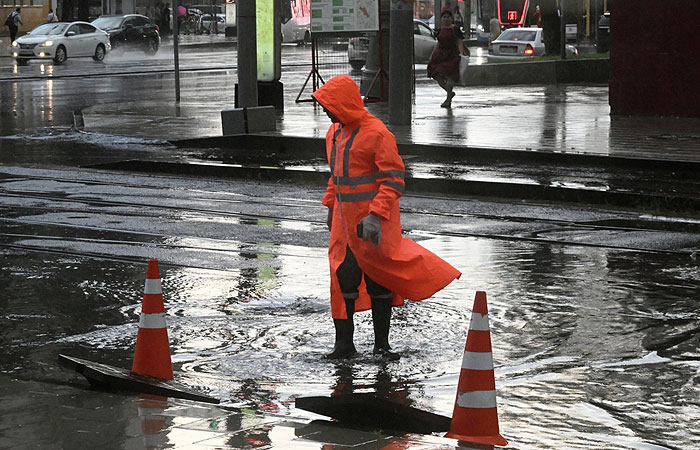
(367, 177)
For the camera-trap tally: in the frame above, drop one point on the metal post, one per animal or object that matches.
(562, 29)
(400, 62)
(247, 54)
(176, 56)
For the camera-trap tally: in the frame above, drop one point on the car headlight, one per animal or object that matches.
(47, 44)
(15, 44)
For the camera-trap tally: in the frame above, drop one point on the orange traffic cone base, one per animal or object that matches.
(489, 440)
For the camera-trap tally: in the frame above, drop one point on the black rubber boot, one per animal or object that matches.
(381, 318)
(344, 330)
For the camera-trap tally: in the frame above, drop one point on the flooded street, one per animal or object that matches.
(595, 344)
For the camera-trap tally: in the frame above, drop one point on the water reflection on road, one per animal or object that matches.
(594, 348)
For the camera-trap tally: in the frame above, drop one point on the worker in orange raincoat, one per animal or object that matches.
(371, 264)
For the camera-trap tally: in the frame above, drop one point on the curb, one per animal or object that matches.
(294, 147)
(464, 188)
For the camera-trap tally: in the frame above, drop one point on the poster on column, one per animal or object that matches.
(337, 16)
(265, 37)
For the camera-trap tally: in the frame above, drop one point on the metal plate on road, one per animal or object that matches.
(369, 410)
(107, 377)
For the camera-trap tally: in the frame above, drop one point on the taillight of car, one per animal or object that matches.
(529, 50)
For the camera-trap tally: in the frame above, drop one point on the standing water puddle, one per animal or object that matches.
(579, 335)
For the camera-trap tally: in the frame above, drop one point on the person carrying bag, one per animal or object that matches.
(51, 18)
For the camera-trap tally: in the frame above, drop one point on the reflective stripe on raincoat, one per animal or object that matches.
(367, 177)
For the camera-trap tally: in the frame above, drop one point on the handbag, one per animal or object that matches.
(463, 66)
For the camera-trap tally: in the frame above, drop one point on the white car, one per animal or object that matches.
(520, 43)
(61, 40)
(206, 25)
(297, 30)
(423, 45)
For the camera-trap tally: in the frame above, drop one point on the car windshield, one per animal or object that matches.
(107, 22)
(49, 29)
(517, 35)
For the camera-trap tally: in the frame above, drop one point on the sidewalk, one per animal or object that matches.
(565, 119)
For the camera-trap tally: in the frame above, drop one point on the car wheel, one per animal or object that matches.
(22, 61)
(151, 47)
(60, 56)
(99, 53)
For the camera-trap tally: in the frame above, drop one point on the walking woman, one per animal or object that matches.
(444, 61)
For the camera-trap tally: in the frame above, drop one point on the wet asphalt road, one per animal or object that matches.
(593, 311)
(582, 333)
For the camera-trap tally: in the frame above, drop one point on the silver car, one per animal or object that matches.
(519, 43)
(61, 40)
(206, 25)
(423, 44)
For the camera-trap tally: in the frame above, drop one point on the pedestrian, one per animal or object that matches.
(494, 29)
(13, 21)
(371, 264)
(165, 20)
(537, 16)
(459, 21)
(181, 17)
(443, 65)
(51, 17)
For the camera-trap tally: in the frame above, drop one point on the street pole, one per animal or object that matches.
(247, 54)
(562, 30)
(176, 56)
(400, 62)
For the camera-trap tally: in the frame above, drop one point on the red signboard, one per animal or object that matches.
(512, 13)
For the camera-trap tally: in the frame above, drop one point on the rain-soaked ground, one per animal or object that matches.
(595, 344)
(594, 319)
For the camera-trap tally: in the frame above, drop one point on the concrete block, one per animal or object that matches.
(233, 121)
(260, 118)
(252, 119)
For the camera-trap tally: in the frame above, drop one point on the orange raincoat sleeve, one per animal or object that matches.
(390, 169)
(329, 197)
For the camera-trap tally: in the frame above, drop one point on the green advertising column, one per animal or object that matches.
(267, 26)
(269, 52)
(267, 57)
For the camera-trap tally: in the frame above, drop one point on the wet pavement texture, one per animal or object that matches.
(593, 311)
(595, 346)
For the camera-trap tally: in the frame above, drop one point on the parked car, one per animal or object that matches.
(130, 32)
(423, 44)
(519, 43)
(61, 40)
(430, 22)
(297, 30)
(206, 25)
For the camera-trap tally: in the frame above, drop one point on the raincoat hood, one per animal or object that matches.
(341, 96)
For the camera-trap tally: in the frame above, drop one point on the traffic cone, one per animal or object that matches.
(152, 354)
(475, 417)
